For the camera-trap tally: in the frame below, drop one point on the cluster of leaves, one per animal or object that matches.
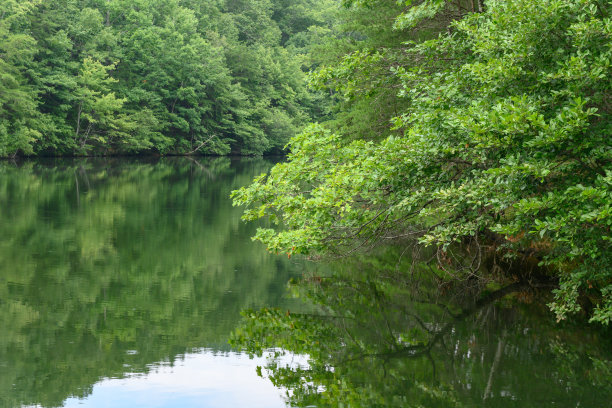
(179, 76)
(504, 135)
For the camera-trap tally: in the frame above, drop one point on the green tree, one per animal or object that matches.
(20, 121)
(97, 108)
(503, 137)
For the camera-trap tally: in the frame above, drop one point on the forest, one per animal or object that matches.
(483, 124)
(107, 77)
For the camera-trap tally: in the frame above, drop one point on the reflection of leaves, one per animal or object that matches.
(601, 372)
(100, 257)
(375, 340)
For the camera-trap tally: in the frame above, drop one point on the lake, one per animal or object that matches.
(122, 280)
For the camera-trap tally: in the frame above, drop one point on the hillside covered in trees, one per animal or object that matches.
(155, 76)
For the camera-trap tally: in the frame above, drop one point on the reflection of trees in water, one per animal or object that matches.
(100, 258)
(378, 340)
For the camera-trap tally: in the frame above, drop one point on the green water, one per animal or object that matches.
(382, 336)
(110, 266)
(121, 281)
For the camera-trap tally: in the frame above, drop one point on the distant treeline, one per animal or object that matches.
(160, 76)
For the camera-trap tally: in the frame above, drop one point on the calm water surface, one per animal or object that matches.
(122, 280)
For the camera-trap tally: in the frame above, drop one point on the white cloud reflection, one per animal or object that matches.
(201, 379)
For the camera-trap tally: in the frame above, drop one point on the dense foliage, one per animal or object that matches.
(497, 131)
(178, 76)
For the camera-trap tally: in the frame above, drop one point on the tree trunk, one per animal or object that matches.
(78, 123)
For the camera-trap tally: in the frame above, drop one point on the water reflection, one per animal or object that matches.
(108, 266)
(379, 339)
(202, 379)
